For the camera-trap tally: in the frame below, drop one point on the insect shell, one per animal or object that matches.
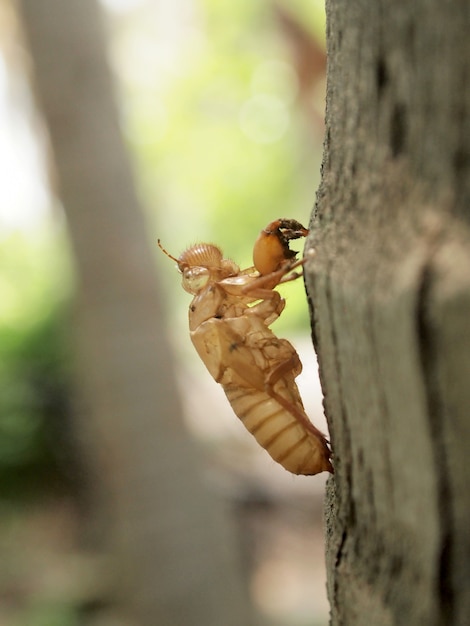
(229, 320)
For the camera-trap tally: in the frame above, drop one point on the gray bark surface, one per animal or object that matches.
(390, 295)
(172, 546)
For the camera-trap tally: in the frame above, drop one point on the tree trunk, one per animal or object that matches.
(390, 295)
(174, 551)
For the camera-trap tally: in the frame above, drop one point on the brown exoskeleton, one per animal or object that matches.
(229, 320)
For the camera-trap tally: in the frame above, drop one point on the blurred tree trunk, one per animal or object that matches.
(174, 547)
(390, 294)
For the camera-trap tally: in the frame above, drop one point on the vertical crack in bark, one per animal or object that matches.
(398, 129)
(429, 355)
(382, 404)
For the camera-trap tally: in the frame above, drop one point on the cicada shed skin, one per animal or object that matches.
(229, 320)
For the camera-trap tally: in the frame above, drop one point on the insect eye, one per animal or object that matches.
(195, 279)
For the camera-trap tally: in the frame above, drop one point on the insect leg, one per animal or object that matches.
(270, 308)
(287, 367)
(267, 282)
(288, 277)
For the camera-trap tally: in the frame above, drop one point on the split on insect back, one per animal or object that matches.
(229, 319)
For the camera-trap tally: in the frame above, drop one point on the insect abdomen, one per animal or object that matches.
(285, 439)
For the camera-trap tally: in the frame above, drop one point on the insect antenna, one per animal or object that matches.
(166, 251)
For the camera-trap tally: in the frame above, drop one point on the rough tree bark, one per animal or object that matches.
(390, 295)
(173, 549)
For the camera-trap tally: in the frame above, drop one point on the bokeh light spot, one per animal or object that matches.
(264, 118)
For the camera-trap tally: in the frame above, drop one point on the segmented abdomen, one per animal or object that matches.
(285, 439)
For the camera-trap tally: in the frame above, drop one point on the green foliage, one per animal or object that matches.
(33, 379)
(34, 367)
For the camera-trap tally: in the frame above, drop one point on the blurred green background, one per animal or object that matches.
(222, 108)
